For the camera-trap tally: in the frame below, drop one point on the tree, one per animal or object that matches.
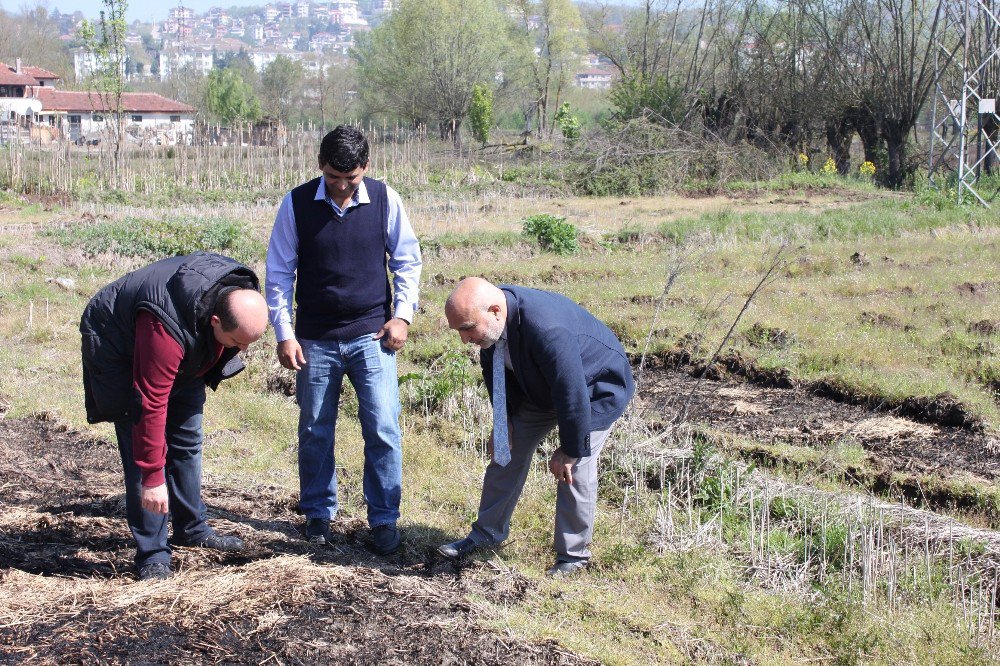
(423, 61)
(282, 86)
(229, 99)
(551, 29)
(885, 57)
(106, 41)
(34, 37)
(329, 90)
(481, 113)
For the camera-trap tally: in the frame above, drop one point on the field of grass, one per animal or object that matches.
(886, 294)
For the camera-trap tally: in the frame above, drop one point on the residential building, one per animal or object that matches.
(181, 13)
(595, 78)
(86, 64)
(82, 114)
(15, 84)
(29, 97)
(261, 59)
(201, 58)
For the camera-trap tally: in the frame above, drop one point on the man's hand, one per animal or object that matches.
(561, 466)
(154, 499)
(290, 354)
(393, 334)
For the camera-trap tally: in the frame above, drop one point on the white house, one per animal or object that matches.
(594, 78)
(31, 107)
(83, 114)
(15, 83)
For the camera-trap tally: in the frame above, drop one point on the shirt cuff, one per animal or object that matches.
(284, 331)
(154, 478)
(404, 311)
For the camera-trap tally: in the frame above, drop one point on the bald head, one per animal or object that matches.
(240, 318)
(478, 311)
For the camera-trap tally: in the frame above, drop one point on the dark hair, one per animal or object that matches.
(224, 309)
(345, 149)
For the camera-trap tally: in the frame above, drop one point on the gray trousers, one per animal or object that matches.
(502, 486)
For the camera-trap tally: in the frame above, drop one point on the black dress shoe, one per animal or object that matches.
(458, 548)
(227, 544)
(385, 539)
(318, 531)
(155, 571)
(566, 569)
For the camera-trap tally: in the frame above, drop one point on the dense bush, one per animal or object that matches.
(640, 157)
(553, 233)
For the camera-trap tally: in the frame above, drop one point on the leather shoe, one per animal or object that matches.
(385, 539)
(318, 531)
(155, 571)
(227, 544)
(459, 548)
(566, 569)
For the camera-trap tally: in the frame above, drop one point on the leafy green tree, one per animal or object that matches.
(567, 123)
(552, 33)
(651, 96)
(481, 113)
(106, 41)
(421, 63)
(229, 99)
(282, 87)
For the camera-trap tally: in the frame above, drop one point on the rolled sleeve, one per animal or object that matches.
(282, 263)
(404, 259)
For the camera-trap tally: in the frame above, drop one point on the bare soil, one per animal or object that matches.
(916, 438)
(69, 595)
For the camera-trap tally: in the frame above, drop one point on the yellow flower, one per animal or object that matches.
(830, 168)
(803, 159)
(867, 169)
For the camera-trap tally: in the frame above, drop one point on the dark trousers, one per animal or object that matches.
(183, 474)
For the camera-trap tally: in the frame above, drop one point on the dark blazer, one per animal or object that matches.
(564, 360)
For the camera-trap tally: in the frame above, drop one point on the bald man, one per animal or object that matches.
(152, 341)
(547, 363)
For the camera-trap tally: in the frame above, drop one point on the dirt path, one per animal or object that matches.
(799, 417)
(68, 597)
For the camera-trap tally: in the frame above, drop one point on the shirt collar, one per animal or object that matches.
(360, 195)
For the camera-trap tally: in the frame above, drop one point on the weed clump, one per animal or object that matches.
(553, 234)
(155, 239)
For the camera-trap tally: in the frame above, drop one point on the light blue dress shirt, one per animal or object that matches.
(283, 258)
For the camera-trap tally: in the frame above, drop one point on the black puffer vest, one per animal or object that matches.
(182, 293)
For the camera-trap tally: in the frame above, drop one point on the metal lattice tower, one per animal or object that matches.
(965, 127)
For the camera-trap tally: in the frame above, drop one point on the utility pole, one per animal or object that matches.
(965, 127)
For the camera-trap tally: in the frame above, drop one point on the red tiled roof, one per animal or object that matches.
(9, 77)
(39, 73)
(62, 100)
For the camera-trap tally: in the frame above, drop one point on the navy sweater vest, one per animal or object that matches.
(342, 289)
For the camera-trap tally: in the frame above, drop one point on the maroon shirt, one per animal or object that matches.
(157, 359)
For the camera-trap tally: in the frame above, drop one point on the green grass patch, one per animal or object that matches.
(154, 239)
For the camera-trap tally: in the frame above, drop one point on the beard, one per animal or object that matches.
(492, 334)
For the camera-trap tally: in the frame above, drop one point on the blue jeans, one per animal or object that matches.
(183, 473)
(372, 371)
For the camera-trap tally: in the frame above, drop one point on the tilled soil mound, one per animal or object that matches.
(797, 415)
(68, 595)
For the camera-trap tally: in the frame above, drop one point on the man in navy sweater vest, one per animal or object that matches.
(335, 239)
(547, 363)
